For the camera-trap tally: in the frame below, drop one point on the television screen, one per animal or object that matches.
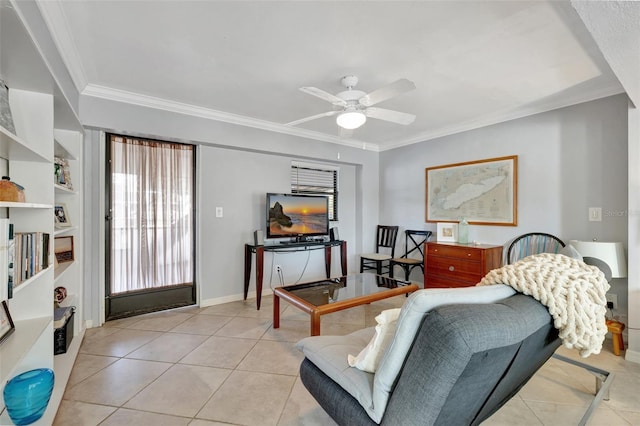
(295, 215)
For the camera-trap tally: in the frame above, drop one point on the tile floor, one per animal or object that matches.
(226, 364)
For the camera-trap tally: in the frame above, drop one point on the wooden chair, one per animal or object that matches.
(385, 250)
(414, 252)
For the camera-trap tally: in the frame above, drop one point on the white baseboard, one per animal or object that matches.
(632, 356)
(232, 298)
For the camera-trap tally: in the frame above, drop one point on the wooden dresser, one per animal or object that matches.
(458, 265)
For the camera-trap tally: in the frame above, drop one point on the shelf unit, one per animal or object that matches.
(68, 145)
(45, 127)
(31, 345)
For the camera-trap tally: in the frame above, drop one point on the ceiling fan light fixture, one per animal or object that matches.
(351, 119)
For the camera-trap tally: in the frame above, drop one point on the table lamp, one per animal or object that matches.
(608, 256)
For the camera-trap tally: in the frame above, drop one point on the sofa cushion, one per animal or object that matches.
(329, 353)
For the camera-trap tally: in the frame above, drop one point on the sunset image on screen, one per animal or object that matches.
(297, 215)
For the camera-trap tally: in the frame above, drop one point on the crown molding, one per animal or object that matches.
(132, 98)
(503, 116)
(58, 26)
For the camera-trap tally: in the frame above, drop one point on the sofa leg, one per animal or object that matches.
(603, 382)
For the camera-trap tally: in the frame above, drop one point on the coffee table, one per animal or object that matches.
(335, 294)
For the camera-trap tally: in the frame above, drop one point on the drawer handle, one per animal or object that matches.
(468, 254)
(451, 268)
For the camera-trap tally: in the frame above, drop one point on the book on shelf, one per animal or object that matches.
(12, 256)
(4, 258)
(32, 255)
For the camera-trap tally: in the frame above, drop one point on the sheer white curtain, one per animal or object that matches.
(151, 211)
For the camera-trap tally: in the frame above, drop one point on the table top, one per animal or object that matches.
(333, 290)
(286, 245)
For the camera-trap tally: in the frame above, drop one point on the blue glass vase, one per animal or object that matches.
(26, 395)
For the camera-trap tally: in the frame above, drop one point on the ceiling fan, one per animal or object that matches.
(352, 107)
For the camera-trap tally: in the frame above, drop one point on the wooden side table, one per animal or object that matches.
(616, 328)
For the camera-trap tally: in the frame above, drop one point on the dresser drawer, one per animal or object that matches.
(452, 266)
(436, 281)
(460, 252)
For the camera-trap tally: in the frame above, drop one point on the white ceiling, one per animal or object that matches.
(474, 63)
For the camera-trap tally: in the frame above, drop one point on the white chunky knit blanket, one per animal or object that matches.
(573, 291)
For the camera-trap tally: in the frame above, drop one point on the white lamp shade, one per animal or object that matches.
(351, 119)
(610, 253)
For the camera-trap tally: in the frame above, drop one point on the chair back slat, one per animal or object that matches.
(387, 236)
(414, 242)
(533, 243)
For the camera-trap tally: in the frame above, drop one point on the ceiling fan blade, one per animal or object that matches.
(386, 92)
(313, 117)
(390, 115)
(314, 91)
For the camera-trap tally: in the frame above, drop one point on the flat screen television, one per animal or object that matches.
(296, 215)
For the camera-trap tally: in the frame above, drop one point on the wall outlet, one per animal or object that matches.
(613, 298)
(278, 268)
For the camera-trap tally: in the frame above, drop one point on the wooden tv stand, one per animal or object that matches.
(249, 249)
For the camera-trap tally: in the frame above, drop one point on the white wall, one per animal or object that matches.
(259, 162)
(237, 181)
(568, 160)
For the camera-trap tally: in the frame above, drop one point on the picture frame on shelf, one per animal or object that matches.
(63, 249)
(62, 175)
(447, 232)
(6, 323)
(61, 215)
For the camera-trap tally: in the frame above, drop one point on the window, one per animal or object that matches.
(316, 179)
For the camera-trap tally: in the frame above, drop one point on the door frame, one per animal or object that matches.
(133, 303)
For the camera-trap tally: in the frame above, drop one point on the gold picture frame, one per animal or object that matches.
(484, 192)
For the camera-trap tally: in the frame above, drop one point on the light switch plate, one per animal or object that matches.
(218, 211)
(595, 214)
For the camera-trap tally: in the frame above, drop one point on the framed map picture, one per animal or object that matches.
(484, 192)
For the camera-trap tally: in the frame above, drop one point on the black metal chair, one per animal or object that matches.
(385, 250)
(533, 243)
(540, 242)
(414, 252)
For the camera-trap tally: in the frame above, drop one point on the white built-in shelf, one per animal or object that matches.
(60, 151)
(59, 271)
(63, 364)
(19, 343)
(14, 148)
(16, 205)
(63, 190)
(26, 283)
(70, 300)
(62, 231)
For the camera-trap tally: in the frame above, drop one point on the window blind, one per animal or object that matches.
(311, 180)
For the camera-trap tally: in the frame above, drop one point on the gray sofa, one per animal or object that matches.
(452, 361)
